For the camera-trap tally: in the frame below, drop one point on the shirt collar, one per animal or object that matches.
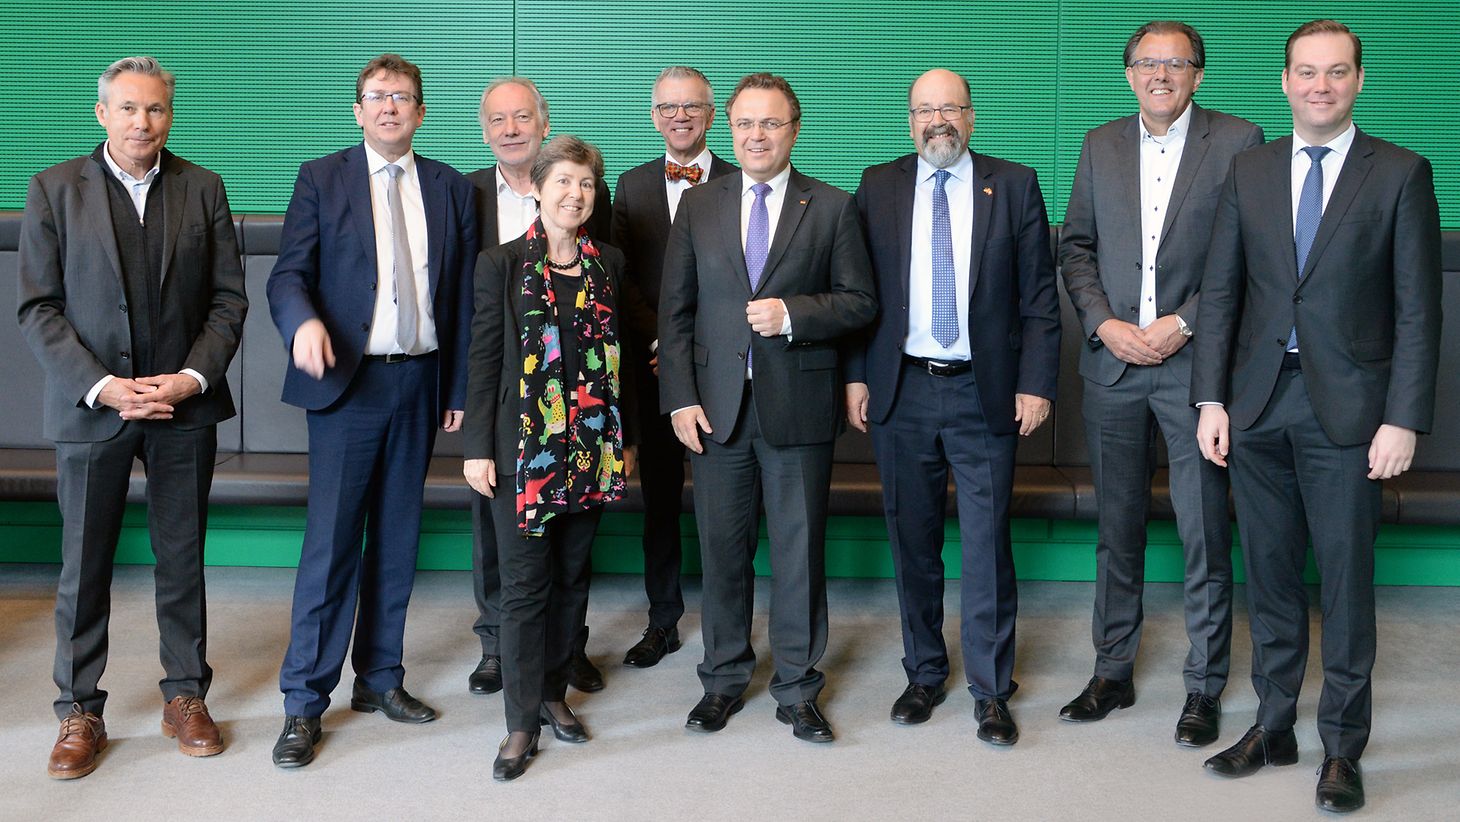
(1338, 145)
(375, 162)
(504, 188)
(777, 183)
(703, 160)
(961, 170)
(125, 176)
(1177, 131)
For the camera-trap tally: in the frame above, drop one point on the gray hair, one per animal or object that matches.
(683, 73)
(542, 106)
(136, 65)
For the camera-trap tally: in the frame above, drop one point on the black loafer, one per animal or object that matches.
(995, 723)
(1340, 785)
(1100, 697)
(916, 703)
(581, 673)
(295, 746)
(567, 731)
(657, 642)
(712, 712)
(806, 721)
(507, 768)
(487, 678)
(1256, 748)
(396, 704)
(1200, 721)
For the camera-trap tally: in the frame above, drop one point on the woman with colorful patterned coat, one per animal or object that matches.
(545, 433)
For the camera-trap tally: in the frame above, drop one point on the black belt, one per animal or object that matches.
(939, 369)
(1291, 361)
(395, 358)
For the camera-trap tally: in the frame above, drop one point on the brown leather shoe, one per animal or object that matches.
(186, 717)
(83, 736)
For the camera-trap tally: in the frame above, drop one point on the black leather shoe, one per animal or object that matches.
(487, 678)
(1256, 748)
(713, 712)
(396, 704)
(657, 642)
(1340, 785)
(995, 723)
(1100, 697)
(1200, 720)
(581, 673)
(507, 768)
(916, 703)
(567, 731)
(295, 746)
(806, 721)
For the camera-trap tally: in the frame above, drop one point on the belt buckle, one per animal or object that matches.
(395, 358)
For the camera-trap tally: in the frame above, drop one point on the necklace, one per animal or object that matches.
(557, 266)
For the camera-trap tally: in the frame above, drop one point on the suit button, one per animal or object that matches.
(740, 355)
(373, 286)
(125, 355)
(122, 308)
(1297, 300)
(1283, 343)
(364, 326)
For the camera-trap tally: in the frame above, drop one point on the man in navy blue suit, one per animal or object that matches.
(371, 294)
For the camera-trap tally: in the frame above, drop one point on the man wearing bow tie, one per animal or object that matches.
(644, 205)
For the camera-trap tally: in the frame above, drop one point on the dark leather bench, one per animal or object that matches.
(262, 457)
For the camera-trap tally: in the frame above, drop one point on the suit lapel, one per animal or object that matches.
(99, 212)
(174, 194)
(983, 209)
(661, 202)
(729, 212)
(793, 208)
(1191, 157)
(904, 195)
(1275, 192)
(355, 174)
(433, 198)
(1127, 156)
(1351, 177)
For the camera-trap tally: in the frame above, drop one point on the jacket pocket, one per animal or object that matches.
(816, 359)
(1379, 348)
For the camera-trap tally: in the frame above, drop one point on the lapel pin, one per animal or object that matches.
(803, 202)
(989, 192)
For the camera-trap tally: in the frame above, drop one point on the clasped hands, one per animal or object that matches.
(1142, 346)
(148, 398)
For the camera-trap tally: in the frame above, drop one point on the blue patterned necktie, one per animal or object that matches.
(945, 289)
(757, 240)
(1310, 213)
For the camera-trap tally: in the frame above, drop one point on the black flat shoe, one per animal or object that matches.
(1340, 785)
(1100, 697)
(916, 703)
(397, 704)
(1200, 721)
(487, 678)
(295, 746)
(507, 768)
(995, 723)
(567, 731)
(1256, 748)
(582, 675)
(806, 721)
(657, 642)
(712, 712)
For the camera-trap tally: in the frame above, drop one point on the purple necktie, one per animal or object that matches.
(757, 241)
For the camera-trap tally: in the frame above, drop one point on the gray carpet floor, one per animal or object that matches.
(641, 764)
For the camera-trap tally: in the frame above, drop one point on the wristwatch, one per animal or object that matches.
(1182, 326)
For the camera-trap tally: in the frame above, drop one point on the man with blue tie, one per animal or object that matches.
(1317, 344)
(960, 361)
(371, 294)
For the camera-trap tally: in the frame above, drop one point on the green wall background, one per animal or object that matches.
(266, 85)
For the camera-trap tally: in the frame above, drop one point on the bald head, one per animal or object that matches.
(940, 116)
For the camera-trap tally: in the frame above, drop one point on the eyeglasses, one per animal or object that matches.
(766, 125)
(667, 110)
(400, 98)
(924, 114)
(1175, 65)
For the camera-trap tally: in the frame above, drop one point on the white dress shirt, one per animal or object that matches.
(1332, 164)
(775, 199)
(382, 325)
(672, 190)
(959, 189)
(1160, 160)
(515, 212)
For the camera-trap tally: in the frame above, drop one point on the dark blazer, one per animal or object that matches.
(1013, 310)
(1100, 246)
(641, 229)
(327, 269)
(484, 180)
(73, 305)
(1367, 309)
(817, 264)
(490, 428)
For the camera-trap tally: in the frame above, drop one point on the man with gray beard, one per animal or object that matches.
(960, 361)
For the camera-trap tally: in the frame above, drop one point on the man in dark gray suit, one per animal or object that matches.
(132, 298)
(1316, 350)
(644, 206)
(1132, 254)
(765, 272)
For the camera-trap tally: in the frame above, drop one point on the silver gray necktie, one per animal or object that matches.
(405, 272)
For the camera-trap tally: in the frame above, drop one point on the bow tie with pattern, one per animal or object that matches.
(674, 172)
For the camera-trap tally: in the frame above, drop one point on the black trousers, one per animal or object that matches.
(1292, 483)
(486, 581)
(91, 489)
(544, 590)
(661, 476)
(938, 424)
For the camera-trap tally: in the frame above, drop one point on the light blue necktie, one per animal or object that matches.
(1310, 213)
(757, 240)
(945, 288)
